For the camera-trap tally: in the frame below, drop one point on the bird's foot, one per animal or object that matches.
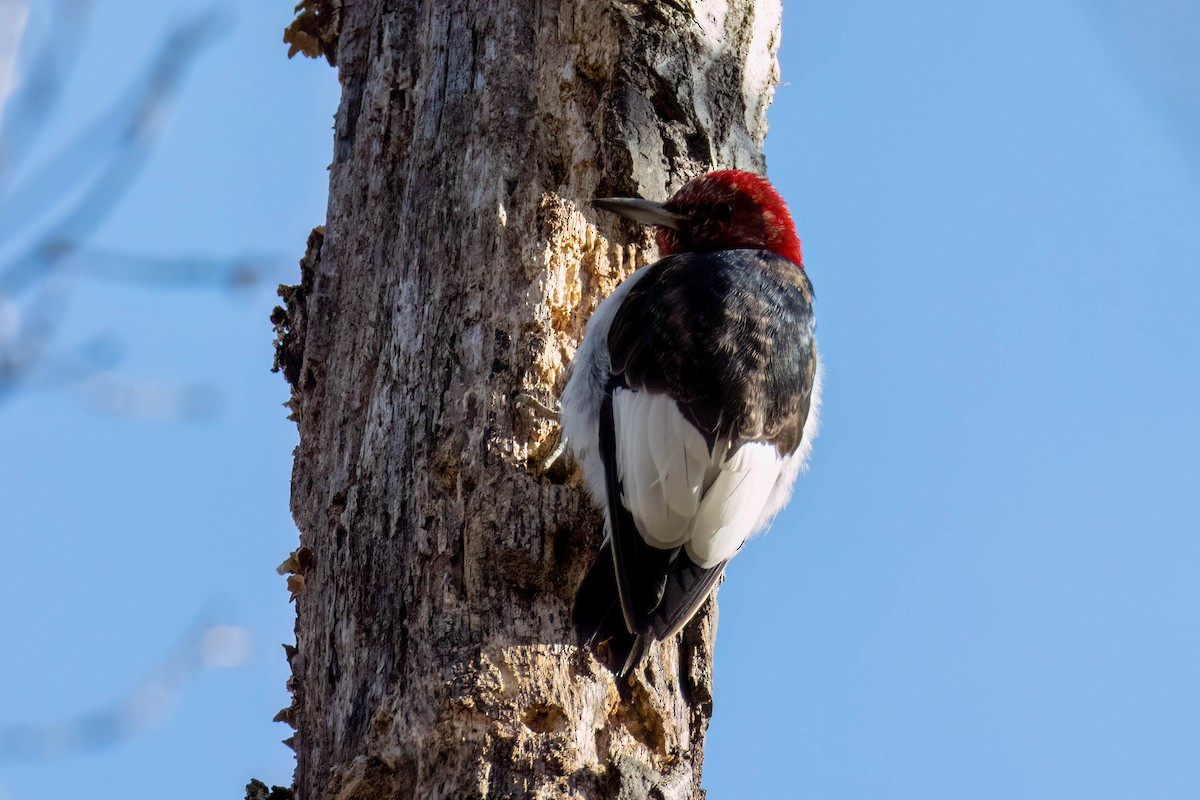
(552, 458)
(529, 401)
(543, 462)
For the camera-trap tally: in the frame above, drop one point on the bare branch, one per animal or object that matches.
(67, 197)
(174, 272)
(47, 69)
(100, 163)
(206, 646)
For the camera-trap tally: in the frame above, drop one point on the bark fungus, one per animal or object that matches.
(460, 261)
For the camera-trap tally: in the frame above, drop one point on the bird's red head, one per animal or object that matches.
(726, 210)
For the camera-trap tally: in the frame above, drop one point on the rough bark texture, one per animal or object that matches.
(460, 261)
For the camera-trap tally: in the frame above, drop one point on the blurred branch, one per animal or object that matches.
(187, 272)
(24, 332)
(13, 16)
(149, 399)
(100, 162)
(205, 647)
(46, 219)
(47, 71)
(45, 222)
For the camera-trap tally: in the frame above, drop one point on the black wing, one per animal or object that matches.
(729, 336)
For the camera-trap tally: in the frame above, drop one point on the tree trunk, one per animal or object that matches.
(435, 655)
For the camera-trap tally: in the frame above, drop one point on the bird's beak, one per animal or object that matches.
(646, 212)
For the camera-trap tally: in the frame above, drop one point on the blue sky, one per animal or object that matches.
(984, 588)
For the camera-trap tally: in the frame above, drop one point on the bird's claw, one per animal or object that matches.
(544, 464)
(529, 401)
(555, 454)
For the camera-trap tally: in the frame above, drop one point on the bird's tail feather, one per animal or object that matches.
(599, 621)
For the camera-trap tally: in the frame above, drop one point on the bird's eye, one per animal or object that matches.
(725, 210)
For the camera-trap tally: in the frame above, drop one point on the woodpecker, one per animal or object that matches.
(691, 405)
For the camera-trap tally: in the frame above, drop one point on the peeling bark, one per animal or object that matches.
(461, 258)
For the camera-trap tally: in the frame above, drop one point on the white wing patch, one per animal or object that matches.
(662, 462)
(733, 505)
(679, 493)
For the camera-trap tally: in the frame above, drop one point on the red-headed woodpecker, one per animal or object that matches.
(691, 406)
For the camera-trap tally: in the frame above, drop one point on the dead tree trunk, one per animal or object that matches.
(461, 259)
